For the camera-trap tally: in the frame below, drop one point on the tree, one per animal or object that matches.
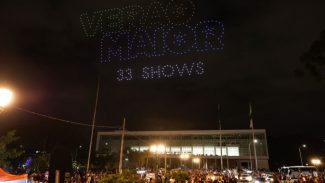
(126, 177)
(136, 159)
(314, 59)
(108, 161)
(41, 162)
(8, 153)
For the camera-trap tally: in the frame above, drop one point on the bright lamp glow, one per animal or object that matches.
(157, 148)
(5, 97)
(316, 162)
(161, 148)
(153, 148)
(196, 160)
(184, 156)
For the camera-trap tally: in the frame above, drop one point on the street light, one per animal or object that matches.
(153, 148)
(5, 98)
(316, 162)
(159, 149)
(77, 150)
(184, 157)
(250, 153)
(303, 146)
(196, 161)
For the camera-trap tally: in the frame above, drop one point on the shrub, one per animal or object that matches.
(126, 177)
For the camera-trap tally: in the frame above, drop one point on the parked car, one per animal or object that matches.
(245, 178)
(261, 180)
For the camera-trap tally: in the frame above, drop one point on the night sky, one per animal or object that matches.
(53, 67)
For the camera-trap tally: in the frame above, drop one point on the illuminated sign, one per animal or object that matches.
(174, 40)
(136, 32)
(163, 71)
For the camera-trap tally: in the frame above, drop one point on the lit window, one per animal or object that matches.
(186, 149)
(135, 148)
(167, 149)
(144, 148)
(224, 151)
(233, 151)
(209, 150)
(197, 150)
(175, 150)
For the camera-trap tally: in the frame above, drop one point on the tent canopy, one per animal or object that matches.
(4, 176)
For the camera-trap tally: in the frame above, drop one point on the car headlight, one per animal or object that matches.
(249, 178)
(271, 179)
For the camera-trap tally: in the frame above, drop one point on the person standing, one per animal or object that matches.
(172, 180)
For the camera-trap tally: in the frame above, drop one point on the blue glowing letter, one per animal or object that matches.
(113, 45)
(209, 36)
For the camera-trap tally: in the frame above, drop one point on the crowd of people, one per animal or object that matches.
(38, 177)
(198, 176)
(278, 178)
(90, 177)
(77, 177)
(191, 176)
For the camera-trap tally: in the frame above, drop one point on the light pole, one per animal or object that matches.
(93, 127)
(5, 98)
(165, 156)
(184, 157)
(159, 149)
(77, 150)
(220, 138)
(196, 161)
(303, 146)
(153, 149)
(250, 153)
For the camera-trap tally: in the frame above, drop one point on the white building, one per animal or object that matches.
(237, 146)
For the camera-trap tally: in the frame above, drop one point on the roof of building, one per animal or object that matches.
(185, 132)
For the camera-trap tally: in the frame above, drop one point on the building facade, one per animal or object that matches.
(181, 148)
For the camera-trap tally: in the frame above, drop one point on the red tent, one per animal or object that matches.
(4, 176)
